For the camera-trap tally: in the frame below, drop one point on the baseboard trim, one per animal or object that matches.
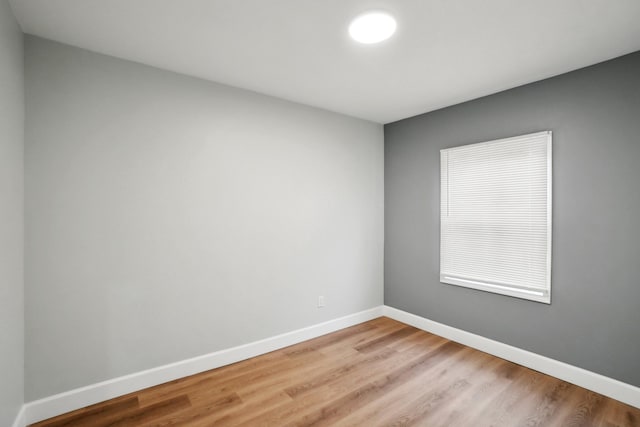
(58, 404)
(590, 380)
(20, 420)
(79, 398)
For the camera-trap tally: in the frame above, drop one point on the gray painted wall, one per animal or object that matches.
(168, 217)
(11, 217)
(593, 321)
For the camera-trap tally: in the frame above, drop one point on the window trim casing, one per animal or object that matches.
(496, 287)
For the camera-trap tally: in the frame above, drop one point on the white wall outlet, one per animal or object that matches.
(321, 302)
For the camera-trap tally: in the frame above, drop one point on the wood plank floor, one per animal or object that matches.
(378, 373)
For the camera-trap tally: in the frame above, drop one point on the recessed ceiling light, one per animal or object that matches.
(372, 27)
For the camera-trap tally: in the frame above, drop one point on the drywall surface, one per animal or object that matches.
(593, 320)
(169, 217)
(11, 217)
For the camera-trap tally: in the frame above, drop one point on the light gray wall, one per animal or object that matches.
(168, 217)
(593, 321)
(11, 217)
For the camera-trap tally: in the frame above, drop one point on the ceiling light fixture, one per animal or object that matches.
(372, 27)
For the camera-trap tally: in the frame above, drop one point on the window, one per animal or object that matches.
(495, 216)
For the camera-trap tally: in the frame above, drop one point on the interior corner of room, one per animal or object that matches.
(150, 218)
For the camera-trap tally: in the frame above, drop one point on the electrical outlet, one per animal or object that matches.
(320, 302)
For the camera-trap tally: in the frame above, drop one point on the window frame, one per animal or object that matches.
(542, 295)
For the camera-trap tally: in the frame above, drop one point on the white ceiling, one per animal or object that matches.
(444, 52)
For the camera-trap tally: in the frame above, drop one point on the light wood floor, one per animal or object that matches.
(378, 373)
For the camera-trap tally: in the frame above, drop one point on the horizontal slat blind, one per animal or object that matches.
(495, 228)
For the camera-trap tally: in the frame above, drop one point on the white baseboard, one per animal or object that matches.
(595, 382)
(75, 399)
(20, 420)
(79, 398)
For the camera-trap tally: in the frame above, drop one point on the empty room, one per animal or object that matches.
(319, 213)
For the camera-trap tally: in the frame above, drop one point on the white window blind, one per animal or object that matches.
(495, 216)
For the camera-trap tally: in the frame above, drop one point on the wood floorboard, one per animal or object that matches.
(378, 373)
